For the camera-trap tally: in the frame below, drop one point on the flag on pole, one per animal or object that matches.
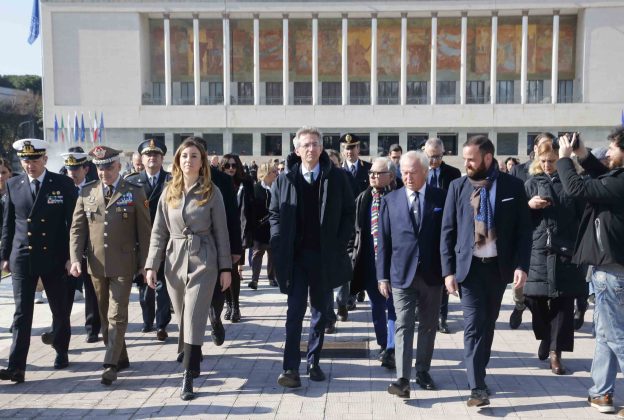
(76, 127)
(69, 136)
(34, 23)
(101, 133)
(82, 128)
(622, 117)
(62, 128)
(95, 128)
(56, 128)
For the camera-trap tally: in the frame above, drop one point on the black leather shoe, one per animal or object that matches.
(331, 328)
(478, 398)
(253, 285)
(289, 379)
(92, 339)
(236, 316)
(109, 375)
(147, 328)
(228, 313)
(217, 333)
(361, 296)
(186, 392)
(400, 388)
(161, 334)
(13, 375)
(424, 380)
(443, 326)
(515, 319)
(47, 338)
(273, 283)
(61, 361)
(351, 306)
(123, 364)
(544, 348)
(579, 319)
(315, 372)
(387, 360)
(343, 313)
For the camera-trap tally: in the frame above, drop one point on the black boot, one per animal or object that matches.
(228, 312)
(186, 392)
(236, 316)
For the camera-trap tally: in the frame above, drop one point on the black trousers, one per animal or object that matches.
(216, 305)
(155, 303)
(93, 325)
(58, 288)
(232, 294)
(553, 320)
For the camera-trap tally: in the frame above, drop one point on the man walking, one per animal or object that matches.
(484, 245)
(311, 216)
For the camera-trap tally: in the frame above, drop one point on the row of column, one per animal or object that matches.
(345, 70)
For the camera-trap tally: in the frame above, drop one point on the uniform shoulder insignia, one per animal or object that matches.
(126, 176)
(133, 182)
(90, 183)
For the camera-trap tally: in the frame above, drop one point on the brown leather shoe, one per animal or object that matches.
(161, 334)
(555, 363)
(603, 403)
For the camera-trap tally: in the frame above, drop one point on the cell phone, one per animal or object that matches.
(575, 139)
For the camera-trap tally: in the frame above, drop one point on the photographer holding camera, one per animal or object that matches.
(599, 243)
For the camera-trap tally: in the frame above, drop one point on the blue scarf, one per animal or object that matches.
(480, 202)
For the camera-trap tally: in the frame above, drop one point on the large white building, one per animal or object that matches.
(246, 74)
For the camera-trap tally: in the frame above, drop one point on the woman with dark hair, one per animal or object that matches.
(190, 225)
(243, 186)
(510, 162)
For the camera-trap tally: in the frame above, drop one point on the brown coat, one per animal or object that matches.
(111, 232)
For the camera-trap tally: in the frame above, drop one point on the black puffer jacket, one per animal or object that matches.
(552, 274)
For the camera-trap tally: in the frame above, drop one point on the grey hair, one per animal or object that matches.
(136, 154)
(306, 130)
(435, 142)
(415, 155)
(390, 166)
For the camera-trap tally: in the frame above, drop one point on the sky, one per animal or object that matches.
(17, 56)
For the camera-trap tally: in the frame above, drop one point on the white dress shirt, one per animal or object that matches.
(316, 171)
(489, 249)
(411, 196)
(40, 178)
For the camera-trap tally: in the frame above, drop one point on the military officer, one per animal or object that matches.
(35, 244)
(112, 221)
(152, 179)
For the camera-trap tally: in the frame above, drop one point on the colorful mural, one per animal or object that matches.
(449, 47)
(567, 47)
(271, 59)
(211, 48)
(157, 50)
(300, 55)
(358, 49)
(478, 48)
(389, 49)
(181, 50)
(539, 47)
(330, 50)
(241, 49)
(508, 51)
(418, 49)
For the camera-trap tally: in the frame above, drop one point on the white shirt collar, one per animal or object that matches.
(316, 170)
(40, 177)
(421, 192)
(149, 177)
(114, 183)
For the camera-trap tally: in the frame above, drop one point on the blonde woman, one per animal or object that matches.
(191, 226)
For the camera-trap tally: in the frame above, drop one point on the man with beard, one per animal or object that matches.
(599, 243)
(484, 245)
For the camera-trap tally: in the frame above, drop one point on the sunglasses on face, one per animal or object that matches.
(229, 166)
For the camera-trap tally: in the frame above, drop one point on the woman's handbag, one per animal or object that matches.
(556, 245)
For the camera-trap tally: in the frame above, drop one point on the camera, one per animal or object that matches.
(570, 136)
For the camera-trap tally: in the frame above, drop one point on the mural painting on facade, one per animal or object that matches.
(479, 44)
(271, 50)
(330, 48)
(567, 47)
(181, 51)
(419, 50)
(388, 48)
(242, 50)
(157, 53)
(449, 47)
(211, 49)
(358, 50)
(539, 47)
(508, 50)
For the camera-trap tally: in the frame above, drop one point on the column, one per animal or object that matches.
(554, 78)
(403, 87)
(523, 62)
(226, 63)
(493, 58)
(285, 73)
(314, 59)
(256, 59)
(167, 60)
(196, 75)
(345, 65)
(373, 81)
(462, 65)
(434, 57)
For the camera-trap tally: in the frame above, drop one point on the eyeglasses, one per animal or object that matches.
(309, 145)
(377, 173)
(229, 165)
(436, 157)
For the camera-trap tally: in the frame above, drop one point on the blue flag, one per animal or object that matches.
(101, 131)
(34, 23)
(76, 128)
(56, 129)
(82, 128)
(622, 119)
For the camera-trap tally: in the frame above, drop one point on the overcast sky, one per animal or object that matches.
(17, 56)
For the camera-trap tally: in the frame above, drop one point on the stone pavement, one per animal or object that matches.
(239, 379)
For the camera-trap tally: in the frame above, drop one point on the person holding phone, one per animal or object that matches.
(553, 282)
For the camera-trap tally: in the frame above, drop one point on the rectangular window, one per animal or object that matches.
(359, 93)
(331, 93)
(215, 93)
(417, 93)
(416, 141)
(565, 91)
(179, 138)
(384, 141)
(445, 92)
(331, 141)
(476, 92)
(535, 91)
(187, 93)
(214, 143)
(450, 143)
(242, 144)
(156, 136)
(387, 93)
(303, 93)
(158, 94)
(273, 93)
(507, 144)
(271, 144)
(364, 143)
(504, 91)
(530, 139)
(245, 93)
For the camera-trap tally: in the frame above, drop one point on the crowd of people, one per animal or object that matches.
(407, 229)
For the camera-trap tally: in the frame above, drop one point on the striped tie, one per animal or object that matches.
(375, 218)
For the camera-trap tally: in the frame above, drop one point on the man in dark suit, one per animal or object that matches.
(440, 176)
(408, 266)
(484, 245)
(155, 303)
(35, 244)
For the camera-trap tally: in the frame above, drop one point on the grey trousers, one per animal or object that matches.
(427, 299)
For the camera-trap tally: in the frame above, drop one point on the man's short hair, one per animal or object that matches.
(388, 163)
(436, 143)
(306, 130)
(617, 136)
(415, 155)
(542, 136)
(395, 148)
(484, 144)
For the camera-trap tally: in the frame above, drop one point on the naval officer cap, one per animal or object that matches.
(104, 156)
(30, 149)
(74, 159)
(349, 140)
(152, 146)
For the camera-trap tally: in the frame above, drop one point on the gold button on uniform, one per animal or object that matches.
(29, 247)
(28, 220)
(43, 234)
(105, 245)
(42, 220)
(29, 233)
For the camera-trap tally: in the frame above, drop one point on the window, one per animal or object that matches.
(156, 136)
(331, 141)
(445, 92)
(187, 93)
(179, 138)
(242, 144)
(417, 93)
(273, 93)
(416, 141)
(504, 91)
(158, 94)
(364, 143)
(471, 135)
(215, 94)
(507, 144)
(387, 93)
(476, 92)
(450, 143)
(384, 141)
(535, 91)
(245, 93)
(303, 93)
(331, 93)
(359, 93)
(530, 140)
(214, 143)
(271, 144)
(565, 91)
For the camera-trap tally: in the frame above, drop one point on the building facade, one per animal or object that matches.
(246, 74)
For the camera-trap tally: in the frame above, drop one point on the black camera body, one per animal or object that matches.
(570, 136)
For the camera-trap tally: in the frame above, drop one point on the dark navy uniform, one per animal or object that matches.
(35, 241)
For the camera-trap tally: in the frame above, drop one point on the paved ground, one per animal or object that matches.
(239, 379)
